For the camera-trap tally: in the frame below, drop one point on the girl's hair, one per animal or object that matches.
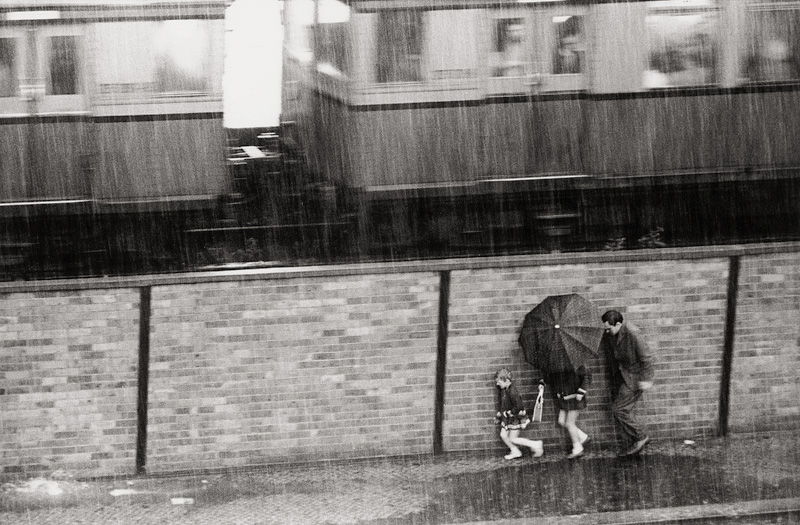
(503, 373)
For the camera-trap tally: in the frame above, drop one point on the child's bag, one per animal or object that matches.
(537, 408)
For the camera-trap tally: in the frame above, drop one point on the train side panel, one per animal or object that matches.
(13, 148)
(535, 136)
(417, 146)
(333, 128)
(771, 127)
(58, 156)
(160, 157)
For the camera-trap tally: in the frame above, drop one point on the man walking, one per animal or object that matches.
(631, 373)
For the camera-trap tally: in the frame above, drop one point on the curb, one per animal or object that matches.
(687, 514)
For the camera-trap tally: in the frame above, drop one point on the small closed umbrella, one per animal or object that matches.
(561, 333)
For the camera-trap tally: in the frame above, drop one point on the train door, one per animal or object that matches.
(537, 57)
(43, 102)
(512, 65)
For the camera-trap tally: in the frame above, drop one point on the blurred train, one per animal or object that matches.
(409, 128)
(462, 126)
(111, 130)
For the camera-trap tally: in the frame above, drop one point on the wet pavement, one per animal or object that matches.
(741, 479)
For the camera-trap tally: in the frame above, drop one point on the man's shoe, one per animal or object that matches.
(637, 447)
(514, 455)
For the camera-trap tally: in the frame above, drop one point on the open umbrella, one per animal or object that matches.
(561, 333)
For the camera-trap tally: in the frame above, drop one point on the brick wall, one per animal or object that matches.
(292, 369)
(678, 305)
(68, 379)
(251, 368)
(765, 393)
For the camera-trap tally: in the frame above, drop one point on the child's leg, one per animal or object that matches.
(507, 437)
(537, 447)
(576, 435)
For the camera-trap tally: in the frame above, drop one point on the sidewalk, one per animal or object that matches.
(744, 476)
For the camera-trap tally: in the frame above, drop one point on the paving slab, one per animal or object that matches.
(755, 476)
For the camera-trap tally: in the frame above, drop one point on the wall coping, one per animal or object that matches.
(417, 266)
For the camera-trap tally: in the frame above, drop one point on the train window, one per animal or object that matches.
(137, 60)
(399, 46)
(298, 20)
(62, 77)
(569, 55)
(332, 42)
(509, 57)
(8, 67)
(452, 55)
(181, 55)
(773, 44)
(682, 43)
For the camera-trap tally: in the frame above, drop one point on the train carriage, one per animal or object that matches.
(481, 122)
(110, 116)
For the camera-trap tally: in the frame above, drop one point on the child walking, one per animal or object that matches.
(570, 398)
(512, 417)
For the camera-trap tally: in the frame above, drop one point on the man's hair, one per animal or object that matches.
(503, 373)
(612, 317)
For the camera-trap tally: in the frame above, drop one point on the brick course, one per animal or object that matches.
(263, 371)
(68, 379)
(765, 393)
(341, 362)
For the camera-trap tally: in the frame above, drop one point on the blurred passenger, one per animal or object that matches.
(509, 44)
(772, 60)
(512, 417)
(631, 373)
(567, 58)
(8, 83)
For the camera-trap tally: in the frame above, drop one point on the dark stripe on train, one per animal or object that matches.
(781, 87)
(29, 119)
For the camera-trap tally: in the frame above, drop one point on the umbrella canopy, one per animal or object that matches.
(561, 333)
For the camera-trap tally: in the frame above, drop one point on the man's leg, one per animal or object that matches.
(622, 409)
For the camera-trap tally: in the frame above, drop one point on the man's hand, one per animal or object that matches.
(645, 385)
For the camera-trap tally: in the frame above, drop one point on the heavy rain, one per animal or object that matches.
(399, 261)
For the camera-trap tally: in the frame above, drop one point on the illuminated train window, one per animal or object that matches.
(8, 73)
(682, 44)
(399, 46)
(181, 55)
(569, 55)
(144, 59)
(773, 44)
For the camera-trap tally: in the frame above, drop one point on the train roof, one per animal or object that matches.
(25, 11)
(42, 5)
